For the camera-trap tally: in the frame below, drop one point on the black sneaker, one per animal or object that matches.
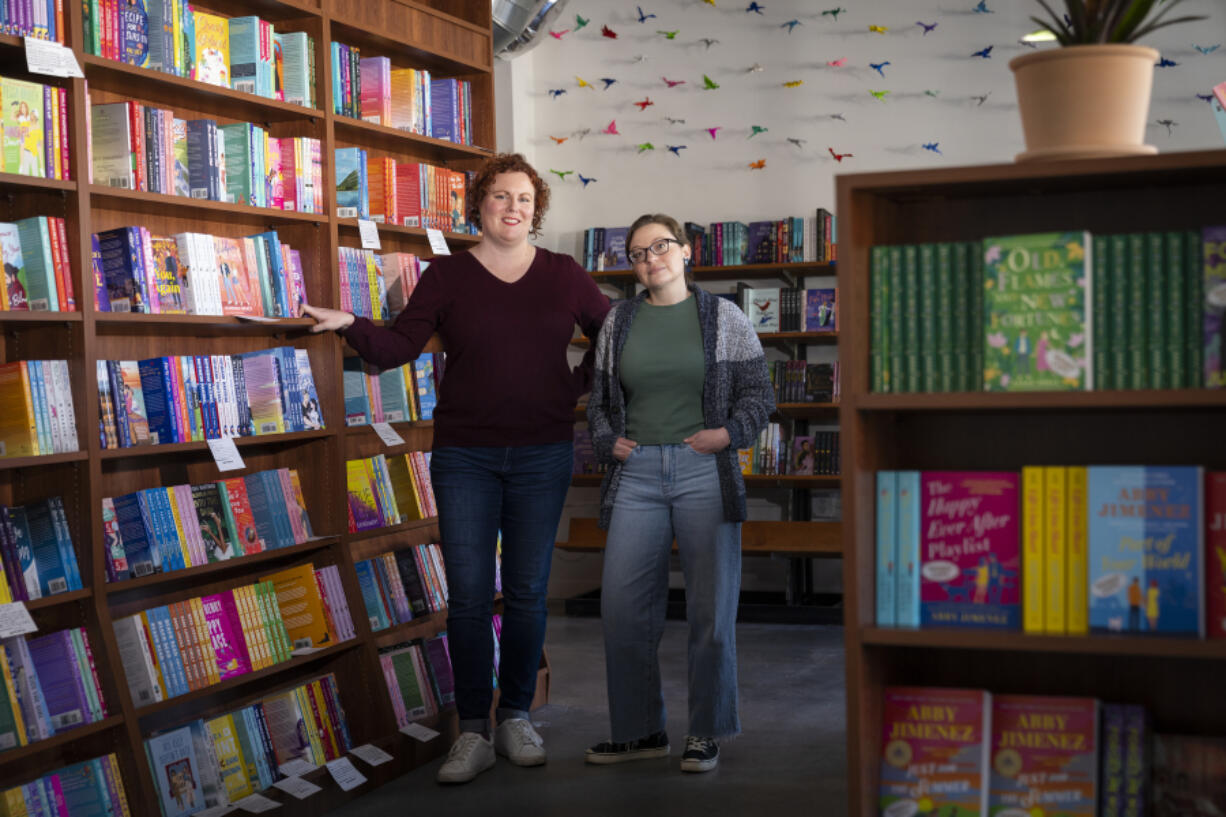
(642, 749)
(701, 754)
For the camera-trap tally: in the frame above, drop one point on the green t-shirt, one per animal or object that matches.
(662, 370)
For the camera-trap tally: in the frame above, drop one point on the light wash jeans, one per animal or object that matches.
(667, 491)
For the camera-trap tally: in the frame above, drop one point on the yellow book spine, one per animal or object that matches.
(179, 532)
(312, 726)
(15, 803)
(258, 633)
(202, 635)
(1077, 576)
(153, 654)
(327, 730)
(18, 720)
(6, 595)
(230, 761)
(1055, 548)
(1033, 578)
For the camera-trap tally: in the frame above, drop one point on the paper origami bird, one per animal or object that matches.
(643, 17)
(672, 83)
(755, 68)
(986, 53)
(643, 103)
(1205, 97)
(611, 128)
(583, 83)
(835, 12)
(754, 130)
(559, 139)
(556, 92)
(877, 66)
(791, 24)
(713, 131)
(669, 35)
(758, 165)
(926, 26)
(838, 116)
(878, 29)
(645, 146)
(839, 63)
(796, 141)
(581, 133)
(580, 22)
(794, 83)
(562, 174)
(1207, 49)
(981, 98)
(879, 94)
(586, 181)
(709, 2)
(557, 35)
(1027, 43)
(608, 32)
(839, 157)
(670, 120)
(1168, 124)
(607, 82)
(982, 8)
(931, 93)
(754, 7)
(708, 83)
(933, 147)
(1165, 63)
(675, 149)
(708, 42)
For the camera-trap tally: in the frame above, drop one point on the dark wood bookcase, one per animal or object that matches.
(451, 39)
(1178, 680)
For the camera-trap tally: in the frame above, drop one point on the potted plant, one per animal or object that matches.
(1090, 98)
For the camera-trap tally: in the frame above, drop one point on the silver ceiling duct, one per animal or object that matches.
(518, 24)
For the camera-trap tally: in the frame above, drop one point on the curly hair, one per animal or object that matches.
(507, 163)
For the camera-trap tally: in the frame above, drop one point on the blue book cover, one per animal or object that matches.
(357, 403)
(277, 507)
(176, 772)
(887, 546)
(155, 383)
(907, 595)
(48, 562)
(162, 652)
(171, 640)
(244, 54)
(614, 253)
(63, 535)
(257, 497)
(84, 789)
(349, 188)
(312, 415)
(135, 533)
(134, 33)
(202, 159)
(423, 371)
(269, 244)
(1146, 549)
(444, 103)
(60, 679)
(291, 391)
(1111, 761)
(168, 530)
(24, 548)
(370, 595)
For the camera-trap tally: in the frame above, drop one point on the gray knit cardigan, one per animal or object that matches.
(736, 392)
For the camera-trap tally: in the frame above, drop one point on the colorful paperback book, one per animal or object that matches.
(1214, 326)
(22, 120)
(1215, 552)
(212, 54)
(935, 752)
(16, 294)
(1189, 776)
(1044, 756)
(821, 310)
(176, 772)
(1146, 549)
(1037, 316)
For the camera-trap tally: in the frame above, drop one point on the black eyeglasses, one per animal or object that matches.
(658, 247)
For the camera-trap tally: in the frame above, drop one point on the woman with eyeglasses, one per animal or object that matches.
(681, 384)
(503, 441)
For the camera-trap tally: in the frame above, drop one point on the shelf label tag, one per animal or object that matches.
(225, 453)
(424, 734)
(216, 811)
(437, 242)
(301, 651)
(344, 773)
(387, 434)
(371, 754)
(256, 803)
(369, 233)
(50, 58)
(15, 620)
(302, 789)
(296, 767)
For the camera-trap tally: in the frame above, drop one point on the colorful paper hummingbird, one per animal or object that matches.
(714, 130)
(608, 32)
(926, 26)
(559, 139)
(800, 143)
(986, 53)
(879, 94)
(754, 130)
(586, 180)
(583, 83)
(669, 35)
(675, 149)
(791, 24)
(643, 103)
(580, 22)
(754, 7)
(982, 8)
(557, 35)
(794, 83)
(645, 146)
(708, 83)
(878, 29)
(556, 92)
(707, 41)
(607, 82)
(643, 17)
(562, 174)
(758, 165)
(1207, 49)
(835, 12)
(839, 63)
(877, 66)
(672, 83)
(1168, 124)
(1163, 62)
(611, 128)
(839, 157)
(933, 147)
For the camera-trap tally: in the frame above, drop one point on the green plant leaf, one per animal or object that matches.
(1136, 13)
(1056, 25)
(1158, 22)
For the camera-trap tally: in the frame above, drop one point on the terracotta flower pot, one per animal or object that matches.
(1085, 101)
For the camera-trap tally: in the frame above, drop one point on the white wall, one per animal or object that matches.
(710, 180)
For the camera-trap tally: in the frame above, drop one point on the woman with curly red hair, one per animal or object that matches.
(503, 440)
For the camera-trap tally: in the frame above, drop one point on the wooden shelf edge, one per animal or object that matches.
(56, 741)
(1012, 401)
(25, 316)
(18, 180)
(11, 463)
(736, 271)
(112, 319)
(1094, 644)
(235, 565)
(415, 232)
(58, 599)
(461, 151)
(103, 192)
(375, 533)
(427, 625)
(241, 442)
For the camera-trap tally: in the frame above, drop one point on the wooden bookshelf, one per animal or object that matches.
(451, 39)
(758, 538)
(786, 271)
(1173, 678)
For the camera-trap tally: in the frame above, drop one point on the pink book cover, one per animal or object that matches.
(1044, 756)
(190, 523)
(408, 193)
(235, 280)
(276, 178)
(291, 506)
(317, 174)
(970, 557)
(288, 169)
(1215, 544)
(293, 265)
(226, 634)
(393, 688)
(935, 751)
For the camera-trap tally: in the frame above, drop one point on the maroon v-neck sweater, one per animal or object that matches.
(507, 380)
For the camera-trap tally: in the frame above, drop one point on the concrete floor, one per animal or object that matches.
(789, 759)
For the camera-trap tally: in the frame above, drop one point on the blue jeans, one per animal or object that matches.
(479, 491)
(669, 491)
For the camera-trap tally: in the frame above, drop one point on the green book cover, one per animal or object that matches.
(1176, 292)
(974, 254)
(880, 258)
(897, 362)
(945, 318)
(1155, 307)
(39, 263)
(1037, 321)
(1103, 372)
(1135, 320)
(929, 369)
(963, 292)
(1194, 274)
(1118, 331)
(238, 162)
(911, 317)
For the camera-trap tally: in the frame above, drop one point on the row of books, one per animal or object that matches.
(50, 686)
(37, 552)
(400, 586)
(243, 53)
(774, 452)
(139, 147)
(92, 787)
(37, 266)
(1050, 311)
(189, 398)
(968, 751)
(36, 410)
(35, 125)
(196, 274)
(376, 286)
(1055, 550)
(174, 649)
(407, 194)
(419, 678)
(41, 19)
(797, 381)
(160, 530)
(405, 98)
(789, 309)
(209, 764)
(385, 491)
(404, 394)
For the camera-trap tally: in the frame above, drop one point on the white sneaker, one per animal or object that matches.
(518, 742)
(470, 755)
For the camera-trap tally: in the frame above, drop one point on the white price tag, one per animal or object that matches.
(387, 434)
(50, 58)
(257, 803)
(369, 234)
(302, 789)
(216, 811)
(418, 732)
(437, 242)
(371, 754)
(345, 774)
(15, 620)
(225, 453)
(296, 767)
(257, 318)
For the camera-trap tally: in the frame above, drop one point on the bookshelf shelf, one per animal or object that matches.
(828, 412)
(59, 599)
(460, 239)
(9, 317)
(1104, 645)
(14, 182)
(57, 742)
(423, 627)
(142, 203)
(830, 338)
(11, 41)
(272, 10)
(752, 271)
(440, 150)
(17, 463)
(1056, 400)
(169, 449)
(793, 480)
(761, 538)
(196, 325)
(365, 536)
(371, 27)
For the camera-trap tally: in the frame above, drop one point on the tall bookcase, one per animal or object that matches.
(1178, 680)
(451, 38)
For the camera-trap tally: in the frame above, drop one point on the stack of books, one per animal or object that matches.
(37, 266)
(372, 90)
(404, 394)
(36, 411)
(385, 491)
(35, 124)
(418, 677)
(92, 787)
(407, 194)
(398, 587)
(37, 551)
(50, 686)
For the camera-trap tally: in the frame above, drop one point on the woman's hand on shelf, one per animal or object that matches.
(327, 320)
